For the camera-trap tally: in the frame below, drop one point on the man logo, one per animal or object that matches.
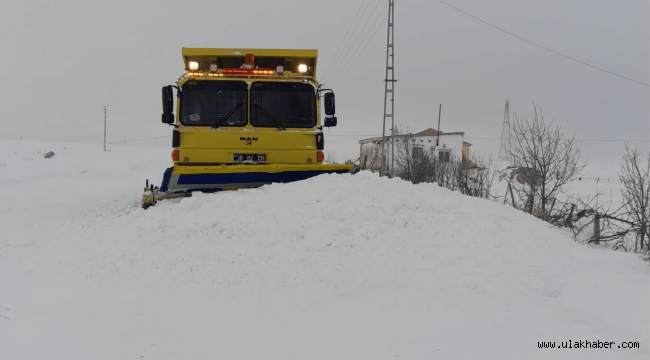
(248, 140)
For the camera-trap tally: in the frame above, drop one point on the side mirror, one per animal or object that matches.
(330, 121)
(330, 108)
(167, 118)
(168, 99)
(168, 104)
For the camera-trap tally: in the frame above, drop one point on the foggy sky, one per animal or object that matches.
(63, 61)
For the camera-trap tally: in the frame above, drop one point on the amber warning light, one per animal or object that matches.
(250, 59)
(248, 72)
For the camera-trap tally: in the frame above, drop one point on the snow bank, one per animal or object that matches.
(337, 266)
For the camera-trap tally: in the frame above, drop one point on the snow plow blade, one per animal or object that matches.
(181, 181)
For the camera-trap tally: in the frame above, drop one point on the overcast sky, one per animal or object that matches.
(63, 60)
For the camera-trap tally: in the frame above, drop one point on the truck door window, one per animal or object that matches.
(204, 103)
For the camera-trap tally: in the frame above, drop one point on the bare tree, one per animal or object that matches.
(411, 160)
(331, 158)
(636, 196)
(475, 176)
(594, 221)
(415, 164)
(546, 161)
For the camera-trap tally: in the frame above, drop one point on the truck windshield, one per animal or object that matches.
(205, 103)
(287, 104)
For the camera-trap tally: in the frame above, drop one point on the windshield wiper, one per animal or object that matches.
(259, 108)
(228, 115)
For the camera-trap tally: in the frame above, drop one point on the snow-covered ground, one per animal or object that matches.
(334, 267)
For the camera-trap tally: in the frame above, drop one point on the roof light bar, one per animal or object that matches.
(248, 72)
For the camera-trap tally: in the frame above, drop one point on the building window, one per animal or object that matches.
(443, 155)
(418, 152)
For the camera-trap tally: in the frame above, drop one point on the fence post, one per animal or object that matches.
(512, 196)
(569, 220)
(550, 211)
(596, 238)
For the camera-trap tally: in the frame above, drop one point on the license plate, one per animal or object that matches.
(256, 158)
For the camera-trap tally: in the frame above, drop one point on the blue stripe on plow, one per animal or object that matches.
(165, 182)
(243, 178)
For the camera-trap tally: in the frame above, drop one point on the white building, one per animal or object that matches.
(444, 146)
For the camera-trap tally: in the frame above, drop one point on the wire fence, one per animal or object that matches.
(127, 141)
(590, 221)
(599, 179)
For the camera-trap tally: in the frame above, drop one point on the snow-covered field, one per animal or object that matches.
(334, 267)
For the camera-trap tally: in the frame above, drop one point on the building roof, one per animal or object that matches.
(434, 132)
(428, 131)
(466, 143)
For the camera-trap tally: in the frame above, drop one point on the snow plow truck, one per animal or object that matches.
(245, 118)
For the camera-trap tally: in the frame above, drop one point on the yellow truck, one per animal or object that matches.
(245, 118)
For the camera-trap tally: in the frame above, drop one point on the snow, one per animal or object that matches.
(337, 266)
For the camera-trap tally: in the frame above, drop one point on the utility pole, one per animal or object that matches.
(389, 89)
(505, 133)
(439, 115)
(104, 127)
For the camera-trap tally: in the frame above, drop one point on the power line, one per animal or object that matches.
(358, 35)
(152, 138)
(498, 138)
(344, 39)
(120, 110)
(356, 25)
(603, 140)
(71, 106)
(543, 47)
(367, 43)
(345, 64)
